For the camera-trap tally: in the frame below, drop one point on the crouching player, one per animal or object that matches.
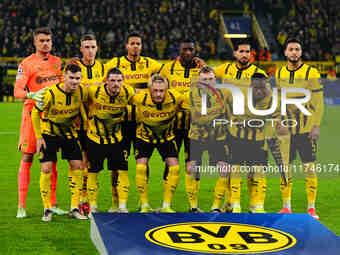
(53, 122)
(107, 107)
(156, 108)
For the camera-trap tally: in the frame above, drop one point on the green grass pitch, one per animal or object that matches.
(68, 236)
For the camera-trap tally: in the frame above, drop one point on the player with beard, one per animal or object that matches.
(180, 74)
(239, 73)
(241, 69)
(304, 135)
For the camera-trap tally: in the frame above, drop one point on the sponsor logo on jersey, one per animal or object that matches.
(136, 76)
(220, 238)
(148, 114)
(180, 83)
(64, 111)
(99, 106)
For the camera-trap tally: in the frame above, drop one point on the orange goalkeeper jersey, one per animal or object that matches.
(35, 73)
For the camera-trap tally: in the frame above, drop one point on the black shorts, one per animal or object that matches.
(129, 134)
(216, 151)
(247, 152)
(166, 150)
(116, 155)
(82, 137)
(70, 149)
(182, 136)
(307, 149)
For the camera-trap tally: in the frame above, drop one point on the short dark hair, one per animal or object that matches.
(42, 30)
(292, 40)
(114, 70)
(258, 76)
(88, 37)
(187, 40)
(133, 34)
(239, 42)
(206, 69)
(73, 68)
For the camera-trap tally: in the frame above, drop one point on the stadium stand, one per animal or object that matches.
(160, 22)
(315, 23)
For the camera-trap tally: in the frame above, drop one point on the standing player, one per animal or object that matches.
(203, 136)
(180, 74)
(304, 135)
(239, 73)
(38, 71)
(107, 106)
(55, 129)
(137, 71)
(248, 134)
(92, 74)
(156, 108)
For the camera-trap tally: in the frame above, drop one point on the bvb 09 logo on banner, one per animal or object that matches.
(220, 238)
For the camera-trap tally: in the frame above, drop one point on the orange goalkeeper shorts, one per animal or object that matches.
(27, 142)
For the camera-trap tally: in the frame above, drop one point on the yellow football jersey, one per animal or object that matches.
(306, 77)
(179, 77)
(231, 72)
(106, 113)
(92, 74)
(202, 126)
(136, 74)
(60, 110)
(250, 126)
(155, 121)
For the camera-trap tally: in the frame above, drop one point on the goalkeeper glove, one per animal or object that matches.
(37, 96)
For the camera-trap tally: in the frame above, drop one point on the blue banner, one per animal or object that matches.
(208, 233)
(238, 25)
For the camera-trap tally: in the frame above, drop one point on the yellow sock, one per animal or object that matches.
(311, 182)
(260, 192)
(227, 196)
(220, 189)
(165, 177)
(284, 148)
(141, 183)
(189, 186)
(171, 186)
(76, 187)
(123, 185)
(235, 185)
(197, 184)
(83, 197)
(251, 190)
(69, 177)
(92, 188)
(45, 189)
(114, 179)
(286, 187)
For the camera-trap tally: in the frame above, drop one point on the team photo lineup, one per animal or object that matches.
(97, 114)
(169, 127)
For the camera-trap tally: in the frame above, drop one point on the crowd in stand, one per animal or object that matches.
(316, 23)
(163, 23)
(160, 22)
